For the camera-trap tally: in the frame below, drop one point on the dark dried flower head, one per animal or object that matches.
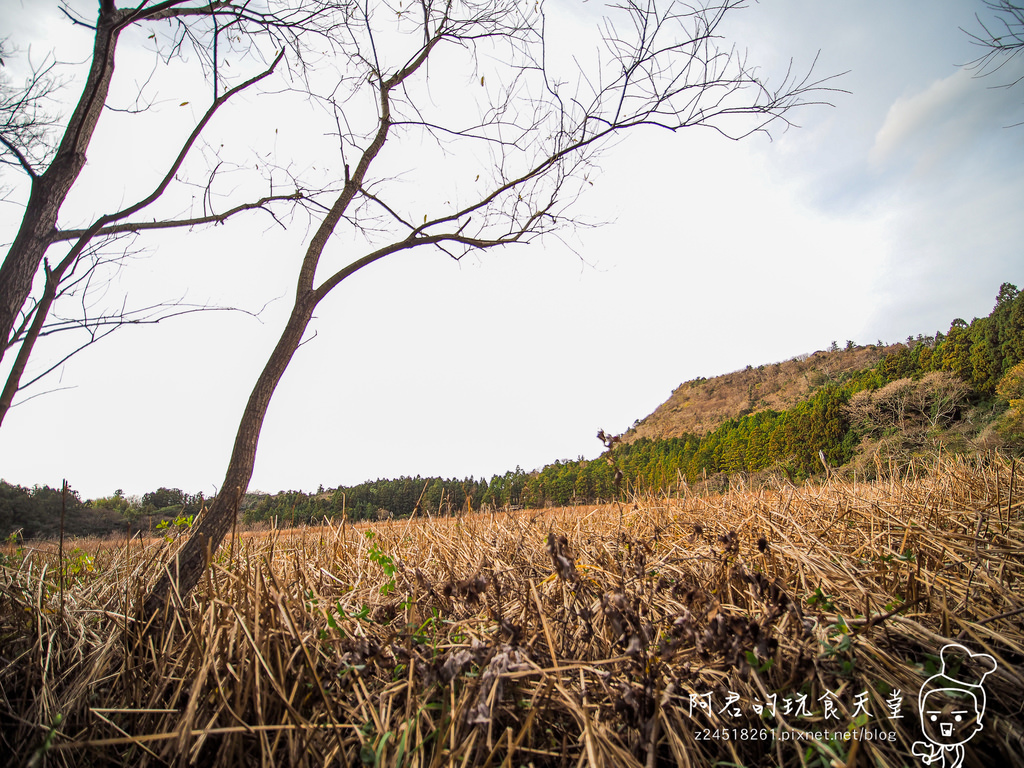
(561, 558)
(731, 542)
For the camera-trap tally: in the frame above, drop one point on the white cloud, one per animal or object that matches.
(942, 123)
(922, 113)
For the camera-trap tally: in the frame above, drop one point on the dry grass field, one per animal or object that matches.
(780, 626)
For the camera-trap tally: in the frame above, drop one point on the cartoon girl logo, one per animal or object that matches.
(952, 703)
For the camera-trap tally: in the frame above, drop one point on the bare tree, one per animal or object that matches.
(909, 408)
(941, 397)
(208, 31)
(519, 115)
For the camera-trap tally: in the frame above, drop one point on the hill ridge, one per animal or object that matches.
(699, 406)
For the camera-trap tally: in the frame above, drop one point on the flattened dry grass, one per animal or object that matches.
(565, 637)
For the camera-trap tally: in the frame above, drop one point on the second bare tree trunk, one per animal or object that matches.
(187, 567)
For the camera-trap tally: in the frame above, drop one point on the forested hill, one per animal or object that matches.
(872, 407)
(699, 406)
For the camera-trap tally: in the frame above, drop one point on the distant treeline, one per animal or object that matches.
(36, 512)
(372, 500)
(921, 388)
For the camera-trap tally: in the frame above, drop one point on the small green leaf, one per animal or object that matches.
(366, 755)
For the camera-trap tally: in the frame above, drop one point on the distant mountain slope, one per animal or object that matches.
(697, 407)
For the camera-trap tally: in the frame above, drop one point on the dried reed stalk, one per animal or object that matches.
(548, 638)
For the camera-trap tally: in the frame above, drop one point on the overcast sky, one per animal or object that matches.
(888, 214)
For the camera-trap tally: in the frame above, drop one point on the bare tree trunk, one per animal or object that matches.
(185, 570)
(50, 188)
(28, 343)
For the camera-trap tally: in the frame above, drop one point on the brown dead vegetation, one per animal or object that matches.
(699, 406)
(567, 637)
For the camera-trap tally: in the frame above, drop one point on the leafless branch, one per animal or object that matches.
(1002, 38)
(161, 187)
(44, 392)
(213, 218)
(27, 116)
(66, 281)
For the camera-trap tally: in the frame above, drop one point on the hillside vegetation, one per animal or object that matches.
(699, 406)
